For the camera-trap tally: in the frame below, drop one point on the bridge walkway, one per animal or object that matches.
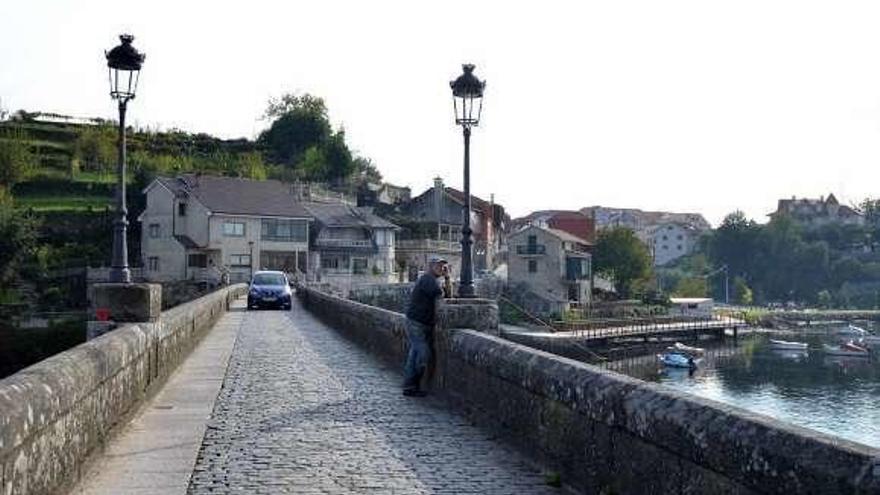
(303, 410)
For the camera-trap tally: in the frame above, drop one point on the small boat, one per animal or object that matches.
(852, 330)
(677, 360)
(791, 346)
(686, 349)
(848, 349)
(791, 354)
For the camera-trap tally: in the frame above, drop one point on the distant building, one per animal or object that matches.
(641, 220)
(815, 212)
(553, 264)
(573, 222)
(209, 229)
(433, 227)
(372, 194)
(667, 235)
(672, 240)
(351, 246)
(691, 306)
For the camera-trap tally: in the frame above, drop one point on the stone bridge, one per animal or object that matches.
(209, 398)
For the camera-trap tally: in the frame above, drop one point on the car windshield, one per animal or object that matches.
(269, 279)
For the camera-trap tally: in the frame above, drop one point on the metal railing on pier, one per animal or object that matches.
(612, 328)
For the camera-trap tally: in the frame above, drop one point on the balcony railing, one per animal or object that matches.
(429, 245)
(344, 243)
(531, 249)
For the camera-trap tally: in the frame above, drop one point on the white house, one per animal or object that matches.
(691, 306)
(205, 229)
(351, 246)
(669, 241)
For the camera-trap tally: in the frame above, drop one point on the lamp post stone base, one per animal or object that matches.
(113, 303)
(477, 314)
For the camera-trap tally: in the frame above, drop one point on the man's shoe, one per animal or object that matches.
(414, 392)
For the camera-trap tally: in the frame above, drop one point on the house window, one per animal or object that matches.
(359, 266)
(197, 261)
(240, 260)
(278, 260)
(679, 237)
(284, 230)
(665, 238)
(533, 266)
(679, 247)
(154, 230)
(533, 239)
(153, 263)
(334, 262)
(233, 229)
(181, 209)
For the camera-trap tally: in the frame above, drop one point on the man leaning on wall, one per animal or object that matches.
(420, 324)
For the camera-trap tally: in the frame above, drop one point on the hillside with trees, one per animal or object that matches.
(782, 261)
(58, 174)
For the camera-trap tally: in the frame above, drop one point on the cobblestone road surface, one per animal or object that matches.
(303, 410)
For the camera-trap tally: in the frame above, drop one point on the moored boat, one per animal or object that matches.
(686, 349)
(786, 345)
(848, 349)
(852, 330)
(677, 360)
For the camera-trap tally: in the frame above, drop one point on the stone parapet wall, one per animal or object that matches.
(54, 414)
(379, 330)
(607, 433)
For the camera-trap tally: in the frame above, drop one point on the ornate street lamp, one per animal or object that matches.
(467, 100)
(124, 67)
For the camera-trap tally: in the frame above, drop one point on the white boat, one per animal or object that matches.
(792, 346)
(791, 354)
(677, 360)
(853, 331)
(847, 350)
(686, 349)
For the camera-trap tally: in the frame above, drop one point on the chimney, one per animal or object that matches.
(438, 198)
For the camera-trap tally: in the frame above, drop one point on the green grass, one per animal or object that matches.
(63, 203)
(82, 176)
(101, 177)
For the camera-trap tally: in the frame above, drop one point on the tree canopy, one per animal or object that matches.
(301, 139)
(16, 160)
(622, 257)
(783, 260)
(18, 237)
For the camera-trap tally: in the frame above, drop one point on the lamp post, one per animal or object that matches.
(124, 64)
(467, 100)
(251, 256)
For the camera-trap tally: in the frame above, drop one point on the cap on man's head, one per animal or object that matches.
(436, 259)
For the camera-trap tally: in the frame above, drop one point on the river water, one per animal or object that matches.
(839, 396)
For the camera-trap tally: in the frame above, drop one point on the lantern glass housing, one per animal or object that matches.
(467, 97)
(124, 67)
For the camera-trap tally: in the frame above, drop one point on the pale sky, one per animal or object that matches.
(698, 106)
